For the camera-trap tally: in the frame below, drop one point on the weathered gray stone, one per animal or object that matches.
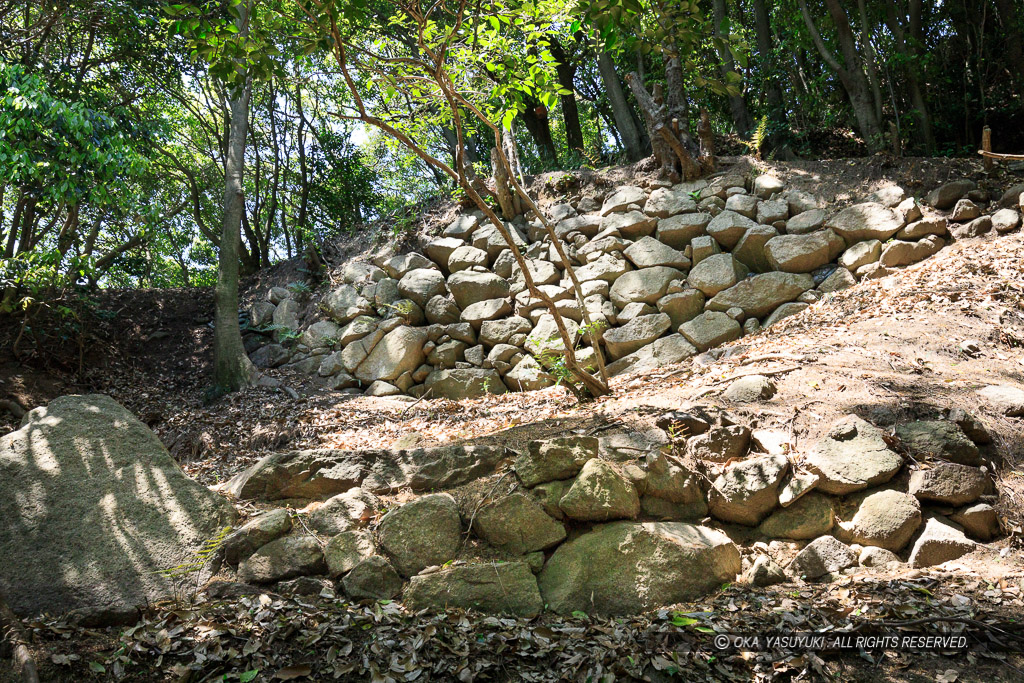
(94, 508)
(710, 329)
(254, 534)
(822, 556)
(873, 556)
(628, 568)
(517, 524)
(528, 375)
(420, 284)
(839, 280)
(750, 251)
(978, 521)
(851, 457)
(346, 511)
(771, 212)
(648, 252)
(460, 383)
(469, 287)
(887, 519)
(965, 210)
(749, 389)
(716, 273)
(759, 295)
(744, 204)
(809, 517)
(766, 185)
(682, 307)
(401, 350)
(945, 196)
(401, 264)
(284, 558)
(728, 227)
(900, 253)
(716, 444)
(678, 231)
(803, 253)
(665, 202)
(646, 285)
(440, 249)
(923, 228)
(940, 439)
(949, 483)
(372, 579)
(600, 494)
(631, 225)
(639, 332)
(342, 304)
(746, 492)
(1008, 400)
(346, 550)
(465, 257)
(493, 588)
(783, 311)
(806, 222)
(867, 221)
(764, 572)
(421, 533)
(665, 351)
(558, 458)
(621, 198)
(940, 541)
(1005, 221)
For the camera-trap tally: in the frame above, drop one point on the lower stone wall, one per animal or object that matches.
(587, 525)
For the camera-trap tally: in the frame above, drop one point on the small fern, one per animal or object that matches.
(757, 140)
(199, 559)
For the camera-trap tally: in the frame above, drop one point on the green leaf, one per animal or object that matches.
(248, 676)
(96, 667)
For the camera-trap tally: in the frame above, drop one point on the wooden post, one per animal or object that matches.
(986, 146)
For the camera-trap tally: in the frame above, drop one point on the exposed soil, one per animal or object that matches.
(888, 350)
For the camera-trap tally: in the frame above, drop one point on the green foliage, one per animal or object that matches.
(757, 139)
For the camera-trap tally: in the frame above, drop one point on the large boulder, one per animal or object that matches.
(600, 494)
(419, 285)
(627, 568)
(469, 287)
(254, 534)
(940, 541)
(93, 510)
(344, 512)
(851, 457)
(517, 524)
(421, 533)
(751, 248)
(716, 273)
(761, 294)
(552, 459)
(710, 328)
(867, 221)
(900, 253)
(664, 351)
(282, 559)
(461, 383)
(342, 304)
(372, 579)
(678, 231)
(886, 519)
(746, 492)
(940, 439)
(665, 202)
(803, 253)
(682, 306)
(646, 285)
(947, 195)
(948, 483)
(648, 252)
(506, 588)
(1008, 400)
(631, 225)
(812, 515)
(637, 333)
(400, 351)
(728, 228)
(621, 198)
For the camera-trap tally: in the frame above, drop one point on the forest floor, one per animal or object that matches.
(889, 350)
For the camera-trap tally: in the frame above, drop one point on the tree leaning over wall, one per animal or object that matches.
(456, 44)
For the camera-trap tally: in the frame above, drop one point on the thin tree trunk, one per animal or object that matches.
(570, 109)
(763, 34)
(869, 58)
(1009, 19)
(232, 369)
(536, 119)
(632, 139)
(737, 105)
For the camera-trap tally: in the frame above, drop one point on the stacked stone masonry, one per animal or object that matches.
(667, 273)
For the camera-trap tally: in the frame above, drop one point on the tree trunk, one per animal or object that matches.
(632, 139)
(676, 105)
(763, 33)
(1009, 19)
(851, 75)
(869, 59)
(570, 110)
(908, 44)
(232, 369)
(536, 119)
(737, 105)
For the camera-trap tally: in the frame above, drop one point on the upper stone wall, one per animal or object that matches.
(668, 271)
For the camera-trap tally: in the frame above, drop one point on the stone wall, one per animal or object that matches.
(668, 272)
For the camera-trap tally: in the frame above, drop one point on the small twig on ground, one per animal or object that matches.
(410, 406)
(469, 527)
(12, 631)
